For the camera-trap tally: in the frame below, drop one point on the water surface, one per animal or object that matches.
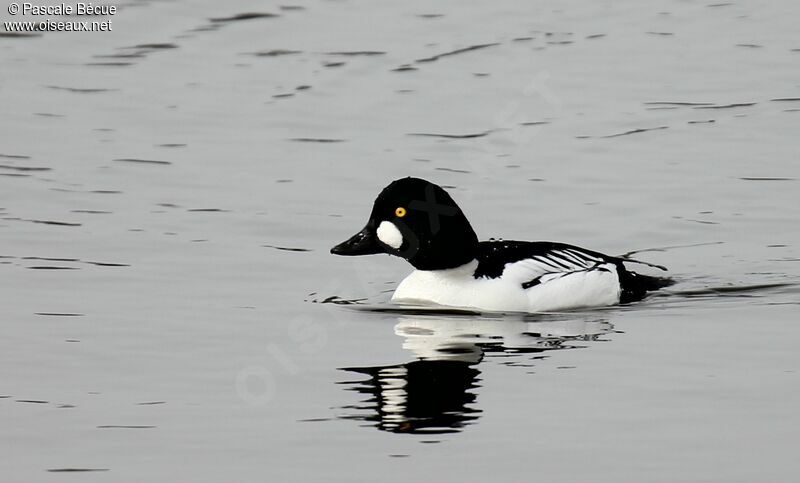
(169, 192)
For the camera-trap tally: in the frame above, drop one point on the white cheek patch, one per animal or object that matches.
(390, 235)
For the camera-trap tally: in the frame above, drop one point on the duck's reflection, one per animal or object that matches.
(424, 396)
(436, 393)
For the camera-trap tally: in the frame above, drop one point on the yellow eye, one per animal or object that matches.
(400, 212)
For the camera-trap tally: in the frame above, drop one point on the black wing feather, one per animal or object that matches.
(493, 256)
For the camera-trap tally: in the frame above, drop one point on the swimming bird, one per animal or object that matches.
(418, 221)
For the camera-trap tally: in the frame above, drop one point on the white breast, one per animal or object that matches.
(457, 287)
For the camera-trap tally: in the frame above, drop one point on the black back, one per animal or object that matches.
(493, 256)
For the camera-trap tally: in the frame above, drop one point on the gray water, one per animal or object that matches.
(169, 192)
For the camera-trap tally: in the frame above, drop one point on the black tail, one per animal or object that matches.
(635, 286)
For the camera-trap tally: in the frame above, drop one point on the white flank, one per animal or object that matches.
(457, 287)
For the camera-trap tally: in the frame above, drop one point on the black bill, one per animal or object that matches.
(364, 242)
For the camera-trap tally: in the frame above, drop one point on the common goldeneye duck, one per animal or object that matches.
(417, 220)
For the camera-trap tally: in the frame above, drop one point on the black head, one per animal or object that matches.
(416, 220)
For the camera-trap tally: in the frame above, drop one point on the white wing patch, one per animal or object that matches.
(552, 265)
